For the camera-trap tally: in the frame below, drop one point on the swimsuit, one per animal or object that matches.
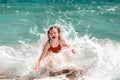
(55, 49)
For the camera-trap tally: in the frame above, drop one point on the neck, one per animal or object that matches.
(55, 42)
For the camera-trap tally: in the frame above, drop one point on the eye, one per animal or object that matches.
(51, 33)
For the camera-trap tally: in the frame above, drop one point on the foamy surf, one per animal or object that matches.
(99, 57)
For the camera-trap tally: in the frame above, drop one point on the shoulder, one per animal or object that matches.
(47, 44)
(63, 41)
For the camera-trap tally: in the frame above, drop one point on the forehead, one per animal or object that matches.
(53, 30)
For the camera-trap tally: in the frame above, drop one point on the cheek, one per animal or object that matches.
(50, 36)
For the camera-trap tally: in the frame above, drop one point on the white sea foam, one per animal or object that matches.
(100, 57)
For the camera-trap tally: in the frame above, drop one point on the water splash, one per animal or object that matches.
(99, 56)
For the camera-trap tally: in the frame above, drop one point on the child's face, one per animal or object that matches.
(54, 33)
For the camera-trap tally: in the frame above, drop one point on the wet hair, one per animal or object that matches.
(58, 29)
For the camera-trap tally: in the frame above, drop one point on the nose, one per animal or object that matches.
(53, 34)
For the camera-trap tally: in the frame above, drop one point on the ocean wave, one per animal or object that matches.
(99, 56)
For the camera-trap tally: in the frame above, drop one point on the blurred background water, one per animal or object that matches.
(97, 18)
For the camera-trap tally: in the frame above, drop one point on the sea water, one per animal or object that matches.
(92, 27)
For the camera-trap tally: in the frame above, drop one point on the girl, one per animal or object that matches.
(54, 44)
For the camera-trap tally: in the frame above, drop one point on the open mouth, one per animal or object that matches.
(53, 37)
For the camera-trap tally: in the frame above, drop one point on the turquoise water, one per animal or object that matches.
(100, 19)
(92, 27)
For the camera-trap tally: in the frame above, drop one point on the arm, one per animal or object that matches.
(44, 53)
(67, 45)
(64, 44)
